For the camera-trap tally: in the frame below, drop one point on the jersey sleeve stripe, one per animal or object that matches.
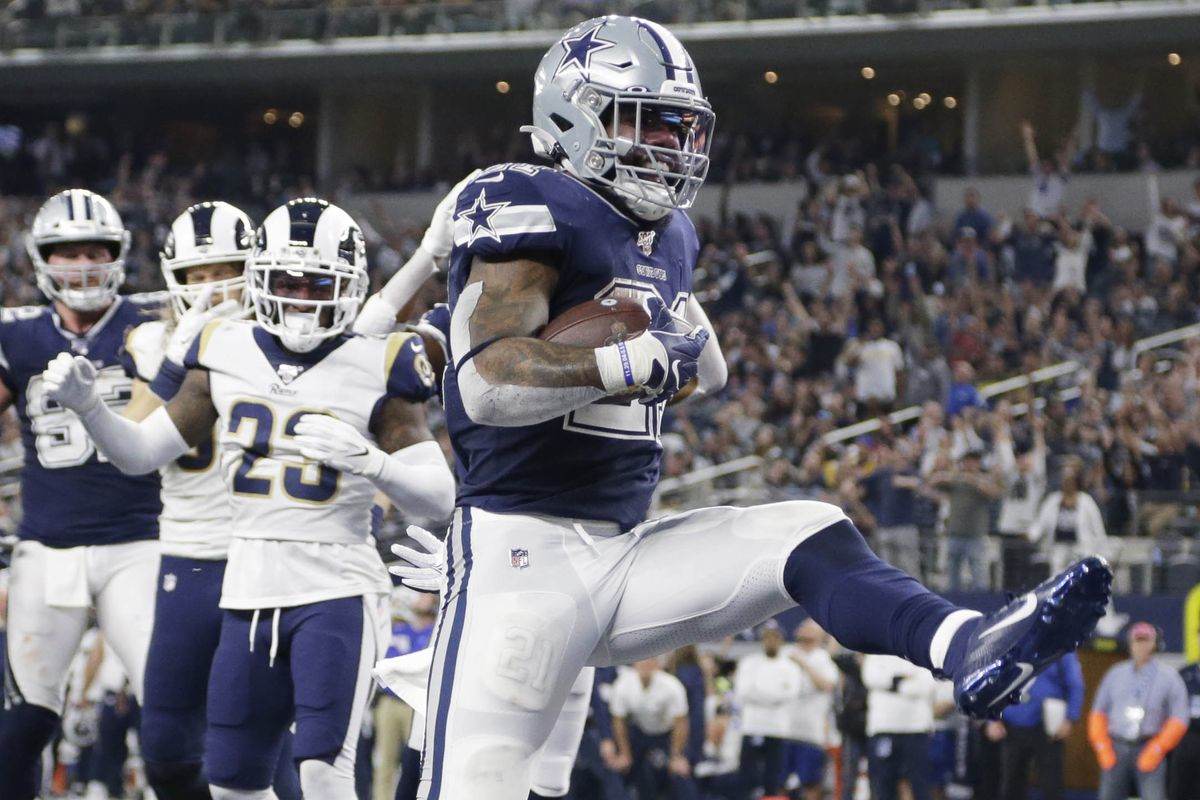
(507, 221)
(195, 354)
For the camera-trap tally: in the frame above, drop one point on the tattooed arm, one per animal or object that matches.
(506, 376)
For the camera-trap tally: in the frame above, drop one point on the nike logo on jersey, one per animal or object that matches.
(1029, 604)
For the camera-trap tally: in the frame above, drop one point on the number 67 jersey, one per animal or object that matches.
(70, 494)
(301, 530)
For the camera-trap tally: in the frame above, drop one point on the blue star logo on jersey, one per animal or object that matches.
(580, 50)
(480, 216)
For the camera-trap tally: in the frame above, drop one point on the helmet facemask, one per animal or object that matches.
(653, 152)
(80, 286)
(184, 295)
(304, 301)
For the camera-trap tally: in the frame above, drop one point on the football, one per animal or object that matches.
(597, 323)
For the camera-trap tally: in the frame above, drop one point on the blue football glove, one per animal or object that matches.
(681, 344)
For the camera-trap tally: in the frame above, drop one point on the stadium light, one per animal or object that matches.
(949, 102)
(868, 73)
(919, 103)
(925, 98)
(502, 87)
(270, 116)
(1173, 59)
(296, 119)
(893, 99)
(771, 76)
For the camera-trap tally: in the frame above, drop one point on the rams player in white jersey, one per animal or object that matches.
(313, 421)
(203, 264)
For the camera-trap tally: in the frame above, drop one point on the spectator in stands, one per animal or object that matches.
(694, 672)
(878, 364)
(717, 774)
(853, 267)
(807, 737)
(891, 489)
(1183, 773)
(970, 263)
(765, 685)
(598, 765)
(899, 724)
(970, 491)
(973, 217)
(1050, 176)
(1070, 257)
(1069, 524)
(1139, 714)
(1030, 250)
(650, 727)
(963, 394)
(1035, 730)
(1024, 475)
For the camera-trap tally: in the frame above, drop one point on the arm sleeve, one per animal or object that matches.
(1073, 680)
(135, 448)
(418, 480)
(713, 371)
(378, 315)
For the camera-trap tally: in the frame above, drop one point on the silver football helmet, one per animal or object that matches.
(307, 274)
(204, 234)
(617, 102)
(78, 215)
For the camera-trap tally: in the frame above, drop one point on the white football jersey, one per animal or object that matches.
(301, 530)
(195, 513)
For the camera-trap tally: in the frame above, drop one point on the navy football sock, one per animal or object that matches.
(410, 774)
(180, 781)
(25, 730)
(865, 603)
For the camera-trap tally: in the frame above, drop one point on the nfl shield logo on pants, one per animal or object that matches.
(518, 558)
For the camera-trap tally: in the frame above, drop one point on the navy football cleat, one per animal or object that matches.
(1010, 646)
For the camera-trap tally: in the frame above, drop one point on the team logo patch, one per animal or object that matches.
(170, 582)
(288, 372)
(577, 52)
(645, 241)
(518, 558)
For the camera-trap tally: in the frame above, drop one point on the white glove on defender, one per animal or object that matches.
(438, 240)
(338, 444)
(424, 572)
(71, 382)
(192, 321)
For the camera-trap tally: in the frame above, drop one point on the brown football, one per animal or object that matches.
(597, 323)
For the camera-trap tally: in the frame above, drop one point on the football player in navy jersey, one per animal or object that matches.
(551, 563)
(88, 534)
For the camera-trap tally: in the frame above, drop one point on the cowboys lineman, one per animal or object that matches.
(203, 265)
(312, 421)
(87, 537)
(551, 563)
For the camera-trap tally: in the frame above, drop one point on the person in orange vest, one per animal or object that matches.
(1139, 715)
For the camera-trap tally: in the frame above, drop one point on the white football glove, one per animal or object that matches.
(438, 240)
(71, 382)
(338, 444)
(422, 571)
(192, 321)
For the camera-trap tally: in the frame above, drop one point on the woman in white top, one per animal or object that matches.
(1069, 523)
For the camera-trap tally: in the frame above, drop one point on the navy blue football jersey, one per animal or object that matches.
(70, 494)
(601, 461)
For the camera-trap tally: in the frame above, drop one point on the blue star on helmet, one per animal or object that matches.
(580, 48)
(480, 216)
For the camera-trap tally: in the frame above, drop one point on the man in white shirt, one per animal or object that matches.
(899, 724)
(879, 362)
(766, 686)
(811, 708)
(650, 727)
